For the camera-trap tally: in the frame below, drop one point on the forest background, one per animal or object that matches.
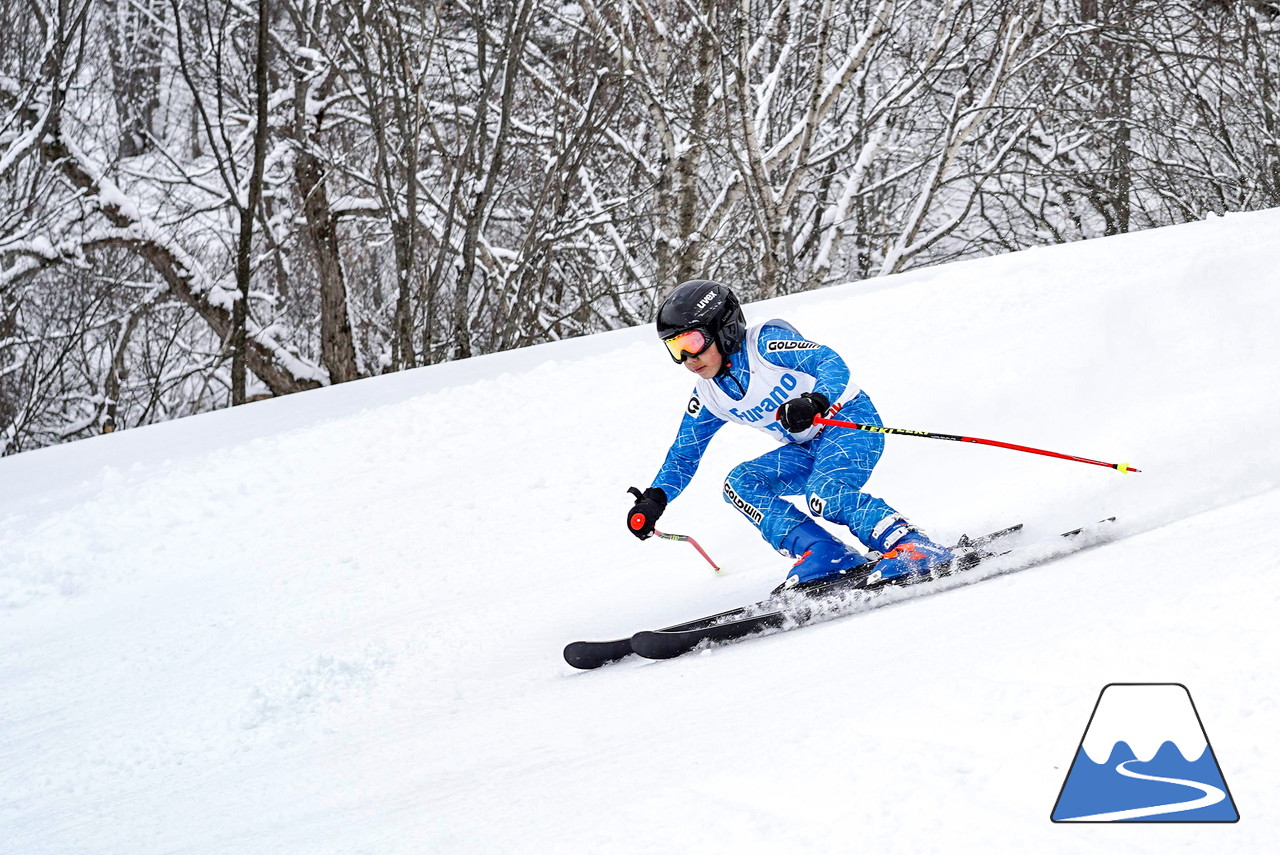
(203, 202)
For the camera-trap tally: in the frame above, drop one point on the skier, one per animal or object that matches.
(772, 378)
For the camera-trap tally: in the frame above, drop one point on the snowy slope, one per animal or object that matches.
(332, 623)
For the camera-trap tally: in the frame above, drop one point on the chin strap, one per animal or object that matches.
(725, 372)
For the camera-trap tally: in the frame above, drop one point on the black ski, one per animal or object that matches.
(668, 644)
(799, 611)
(593, 654)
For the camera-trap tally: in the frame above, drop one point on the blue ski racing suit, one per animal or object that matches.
(827, 466)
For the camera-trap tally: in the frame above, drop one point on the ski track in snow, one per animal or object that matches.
(332, 623)
(1211, 795)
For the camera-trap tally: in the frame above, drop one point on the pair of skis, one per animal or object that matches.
(792, 608)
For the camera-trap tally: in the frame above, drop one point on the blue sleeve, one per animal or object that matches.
(816, 360)
(696, 429)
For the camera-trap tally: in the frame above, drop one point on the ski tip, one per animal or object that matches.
(655, 644)
(573, 654)
(589, 655)
(1084, 528)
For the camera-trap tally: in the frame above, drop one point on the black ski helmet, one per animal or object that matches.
(706, 305)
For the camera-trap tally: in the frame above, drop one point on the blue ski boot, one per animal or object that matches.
(822, 557)
(904, 552)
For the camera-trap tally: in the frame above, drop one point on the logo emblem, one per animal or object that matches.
(1145, 757)
(693, 407)
(779, 346)
(751, 511)
(816, 505)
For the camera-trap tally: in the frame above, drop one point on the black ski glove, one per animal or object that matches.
(797, 415)
(644, 514)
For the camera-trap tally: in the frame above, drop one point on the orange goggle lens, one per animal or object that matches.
(686, 344)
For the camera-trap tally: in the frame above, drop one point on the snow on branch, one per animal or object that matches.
(125, 226)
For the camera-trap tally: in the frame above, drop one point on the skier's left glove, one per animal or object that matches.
(644, 514)
(797, 415)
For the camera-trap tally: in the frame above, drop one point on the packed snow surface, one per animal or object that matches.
(332, 623)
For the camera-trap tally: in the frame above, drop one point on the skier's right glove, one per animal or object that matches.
(645, 512)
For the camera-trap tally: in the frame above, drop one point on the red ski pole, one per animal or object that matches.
(686, 539)
(820, 420)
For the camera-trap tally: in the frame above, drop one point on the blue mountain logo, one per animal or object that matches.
(1145, 757)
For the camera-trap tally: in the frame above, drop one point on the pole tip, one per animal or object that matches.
(1127, 467)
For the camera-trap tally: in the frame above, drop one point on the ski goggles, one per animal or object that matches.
(686, 344)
